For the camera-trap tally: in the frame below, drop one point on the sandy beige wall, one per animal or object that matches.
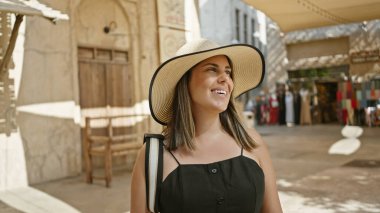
(47, 98)
(51, 135)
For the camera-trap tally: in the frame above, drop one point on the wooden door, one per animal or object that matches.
(104, 78)
(105, 81)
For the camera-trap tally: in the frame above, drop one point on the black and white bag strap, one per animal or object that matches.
(153, 169)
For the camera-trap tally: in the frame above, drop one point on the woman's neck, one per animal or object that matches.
(206, 123)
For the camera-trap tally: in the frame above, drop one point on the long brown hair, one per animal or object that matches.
(180, 131)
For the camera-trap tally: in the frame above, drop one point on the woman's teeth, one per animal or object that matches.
(222, 92)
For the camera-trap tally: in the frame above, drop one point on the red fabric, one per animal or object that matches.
(338, 96)
(354, 104)
(273, 111)
(344, 116)
(273, 115)
(349, 86)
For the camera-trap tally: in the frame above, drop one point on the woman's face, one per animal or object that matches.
(211, 85)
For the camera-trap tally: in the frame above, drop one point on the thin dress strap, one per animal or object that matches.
(241, 151)
(174, 157)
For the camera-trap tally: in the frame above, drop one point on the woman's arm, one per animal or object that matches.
(271, 200)
(138, 190)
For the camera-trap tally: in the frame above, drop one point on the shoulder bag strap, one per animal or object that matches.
(153, 169)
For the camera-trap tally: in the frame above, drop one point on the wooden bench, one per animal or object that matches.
(108, 145)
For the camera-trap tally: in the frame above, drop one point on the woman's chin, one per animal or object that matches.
(220, 109)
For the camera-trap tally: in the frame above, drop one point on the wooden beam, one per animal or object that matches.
(11, 45)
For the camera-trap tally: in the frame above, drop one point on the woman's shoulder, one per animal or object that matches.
(255, 136)
(260, 152)
(140, 158)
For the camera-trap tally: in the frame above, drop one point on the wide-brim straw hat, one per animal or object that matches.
(247, 67)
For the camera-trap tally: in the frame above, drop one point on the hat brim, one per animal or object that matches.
(248, 69)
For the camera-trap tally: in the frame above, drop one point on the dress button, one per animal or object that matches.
(214, 171)
(220, 200)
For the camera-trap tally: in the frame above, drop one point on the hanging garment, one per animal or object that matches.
(289, 108)
(273, 110)
(350, 111)
(297, 107)
(282, 109)
(344, 90)
(305, 107)
(344, 117)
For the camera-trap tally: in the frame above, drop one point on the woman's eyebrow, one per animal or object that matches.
(212, 64)
(215, 65)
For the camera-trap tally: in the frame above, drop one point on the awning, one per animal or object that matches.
(293, 15)
(21, 8)
(33, 8)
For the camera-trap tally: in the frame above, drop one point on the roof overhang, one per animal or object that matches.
(293, 15)
(21, 8)
(31, 8)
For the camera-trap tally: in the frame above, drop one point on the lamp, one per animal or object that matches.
(110, 27)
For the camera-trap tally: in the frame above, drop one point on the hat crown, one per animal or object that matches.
(196, 46)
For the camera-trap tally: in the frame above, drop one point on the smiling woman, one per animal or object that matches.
(211, 85)
(211, 161)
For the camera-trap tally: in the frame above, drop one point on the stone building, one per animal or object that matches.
(333, 46)
(233, 21)
(98, 63)
(342, 58)
(320, 59)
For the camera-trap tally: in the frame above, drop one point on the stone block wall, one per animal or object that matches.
(360, 38)
(48, 116)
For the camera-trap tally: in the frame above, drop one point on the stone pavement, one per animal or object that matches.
(4, 208)
(29, 199)
(309, 179)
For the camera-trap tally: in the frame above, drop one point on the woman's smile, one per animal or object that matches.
(211, 84)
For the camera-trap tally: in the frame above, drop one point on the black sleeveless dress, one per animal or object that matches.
(235, 185)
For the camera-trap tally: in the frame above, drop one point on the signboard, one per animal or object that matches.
(365, 56)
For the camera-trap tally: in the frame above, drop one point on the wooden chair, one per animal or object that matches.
(108, 145)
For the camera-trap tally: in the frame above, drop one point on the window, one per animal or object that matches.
(245, 29)
(253, 43)
(237, 22)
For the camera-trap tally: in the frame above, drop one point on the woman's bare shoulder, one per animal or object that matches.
(256, 137)
(140, 159)
(260, 152)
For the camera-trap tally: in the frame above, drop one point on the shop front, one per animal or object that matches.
(341, 72)
(322, 84)
(337, 97)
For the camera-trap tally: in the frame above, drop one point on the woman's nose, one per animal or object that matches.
(223, 77)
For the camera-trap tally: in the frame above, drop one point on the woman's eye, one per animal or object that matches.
(211, 69)
(228, 72)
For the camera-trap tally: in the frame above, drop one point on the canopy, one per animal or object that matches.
(31, 7)
(293, 15)
(21, 8)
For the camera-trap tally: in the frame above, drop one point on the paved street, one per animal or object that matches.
(309, 179)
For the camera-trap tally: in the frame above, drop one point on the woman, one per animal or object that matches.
(211, 162)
